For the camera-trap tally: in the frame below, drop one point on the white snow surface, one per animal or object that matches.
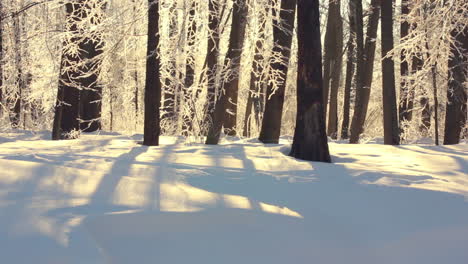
(107, 199)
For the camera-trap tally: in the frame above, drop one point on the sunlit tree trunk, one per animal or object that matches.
(15, 98)
(1, 59)
(364, 73)
(282, 36)
(390, 114)
(189, 94)
(310, 139)
(456, 114)
(152, 84)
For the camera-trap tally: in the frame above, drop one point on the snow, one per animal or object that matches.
(107, 199)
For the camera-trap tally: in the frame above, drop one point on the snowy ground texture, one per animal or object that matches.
(107, 199)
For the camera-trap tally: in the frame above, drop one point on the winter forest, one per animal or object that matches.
(234, 131)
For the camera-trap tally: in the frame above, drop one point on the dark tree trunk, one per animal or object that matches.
(212, 63)
(233, 58)
(152, 84)
(456, 114)
(406, 95)
(349, 75)
(364, 73)
(226, 103)
(91, 93)
(310, 139)
(67, 106)
(335, 69)
(282, 35)
(390, 114)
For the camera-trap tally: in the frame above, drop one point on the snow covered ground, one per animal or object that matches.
(107, 199)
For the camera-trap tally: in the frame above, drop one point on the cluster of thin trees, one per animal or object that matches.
(196, 66)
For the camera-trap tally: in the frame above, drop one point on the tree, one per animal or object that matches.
(152, 84)
(365, 65)
(310, 139)
(456, 113)
(233, 60)
(282, 38)
(349, 74)
(390, 114)
(333, 58)
(406, 94)
(226, 103)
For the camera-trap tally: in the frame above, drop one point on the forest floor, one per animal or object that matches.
(107, 199)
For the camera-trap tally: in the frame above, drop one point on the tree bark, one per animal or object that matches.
(364, 73)
(152, 84)
(390, 113)
(226, 103)
(233, 58)
(15, 99)
(335, 69)
(282, 35)
(456, 114)
(1, 59)
(310, 139)
(349, 74)
(91, 93)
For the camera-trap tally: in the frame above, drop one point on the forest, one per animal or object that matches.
(238, 119)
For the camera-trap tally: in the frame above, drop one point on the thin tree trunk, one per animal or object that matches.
(335, 70)
(406, 95)
(349, 74)
(425, 115)
(190, 71)
(255, 80)
(364, 73)
(233, 58)
(16, 98)
(310, 139)
(390, 113)
(171, 87)
(456, 114)
(282, 35)
(226, 104)
(436, 105)
(152, 84)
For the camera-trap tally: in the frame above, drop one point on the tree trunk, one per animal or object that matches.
(212, 65)
(67, 106)
(456, 114)
(425, 115)
(190, 71)
(349, 75)
(390, 112)
(91, 93)
(283, 30)
(364, 73)
(310, 139)
(406, 95)
(226, 103)
(152, 84)
(256, 80)
(171, 87)
(335, 70)
(233, 59)
(14, 101)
